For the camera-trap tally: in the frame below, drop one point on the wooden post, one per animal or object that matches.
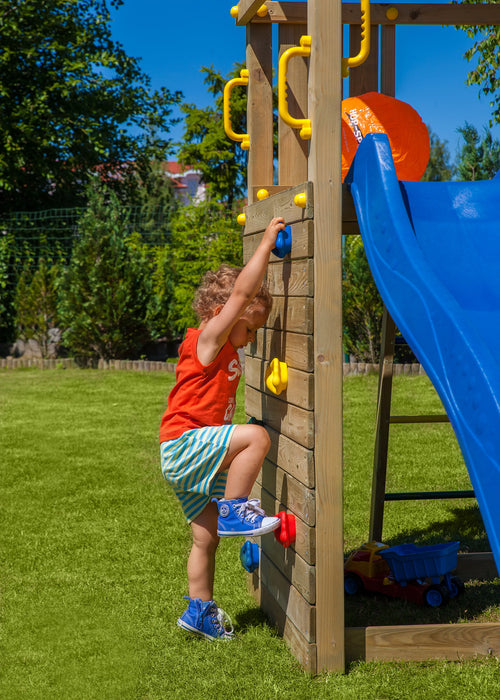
(364, 78)
(260, 107)
(293, 151)
(325, 98)
(388, 60)
(382, 427)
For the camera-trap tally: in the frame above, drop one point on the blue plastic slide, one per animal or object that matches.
(434, 252)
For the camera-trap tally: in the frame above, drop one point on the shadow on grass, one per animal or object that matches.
(251, 618)
(480, 601)
(463, 524)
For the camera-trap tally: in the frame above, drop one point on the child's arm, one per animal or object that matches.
(216, 331)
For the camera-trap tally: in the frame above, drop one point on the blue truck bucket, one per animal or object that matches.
(408, 562)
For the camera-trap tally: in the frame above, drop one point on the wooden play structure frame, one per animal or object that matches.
(301, 588)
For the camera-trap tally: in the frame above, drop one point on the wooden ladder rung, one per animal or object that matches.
(427, 495)
(431, 418)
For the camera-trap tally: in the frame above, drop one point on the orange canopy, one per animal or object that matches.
(375, 112)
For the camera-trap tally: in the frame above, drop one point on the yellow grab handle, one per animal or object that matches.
(303, 124)
(243, 139)
(277, 376)
(364, 49)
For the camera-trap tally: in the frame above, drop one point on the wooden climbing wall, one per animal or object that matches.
(286, 583)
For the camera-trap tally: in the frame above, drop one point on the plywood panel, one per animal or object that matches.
(294, 422)
(300, 389)
(258, 215)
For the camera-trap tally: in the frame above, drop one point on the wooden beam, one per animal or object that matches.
(363, 78)
(258, 215)
(388, 60)
(379, 476)
(304, 651)
(292, 150)
(300, 574)
(476, 565)
(423, 642)
(445, 14)
(260, 106)
(302, 241)
(295, 423)
(305, 542)
(325, 98)
(300, 389)
(448, 14)
(247, 9)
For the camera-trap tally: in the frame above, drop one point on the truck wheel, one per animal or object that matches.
(456, 587)
(352, 584)
(436, 596)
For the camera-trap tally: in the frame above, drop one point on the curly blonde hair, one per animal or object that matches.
(216, 287)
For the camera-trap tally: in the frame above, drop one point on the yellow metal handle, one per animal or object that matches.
(365, 41)
(303, 124)
(243, 139)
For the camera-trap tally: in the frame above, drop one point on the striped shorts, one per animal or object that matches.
(191, 463)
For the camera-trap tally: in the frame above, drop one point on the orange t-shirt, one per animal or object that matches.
(203, 395)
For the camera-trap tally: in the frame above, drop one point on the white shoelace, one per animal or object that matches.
(250, 510)
(225, 622)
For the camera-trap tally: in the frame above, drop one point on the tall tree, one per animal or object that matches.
(222, 162)
(72, 102)
(485, 51)
(438, 168)
(479, 158)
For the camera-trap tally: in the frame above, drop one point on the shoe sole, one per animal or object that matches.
(248, 533)
(188, 628)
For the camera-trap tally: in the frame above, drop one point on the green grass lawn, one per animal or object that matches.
(93, 549)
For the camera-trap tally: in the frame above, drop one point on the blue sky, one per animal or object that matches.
(175, 39)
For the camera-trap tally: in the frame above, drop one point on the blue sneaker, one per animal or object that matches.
(243, 516)
(206, 620)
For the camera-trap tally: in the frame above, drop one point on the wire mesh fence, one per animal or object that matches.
(52, 233)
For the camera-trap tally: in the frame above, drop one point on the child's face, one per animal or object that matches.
(243, 332)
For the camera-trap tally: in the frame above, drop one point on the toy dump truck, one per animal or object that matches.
(419, 574)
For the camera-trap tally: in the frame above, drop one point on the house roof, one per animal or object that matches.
(175, 169)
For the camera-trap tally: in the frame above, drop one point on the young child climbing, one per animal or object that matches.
(210, 463)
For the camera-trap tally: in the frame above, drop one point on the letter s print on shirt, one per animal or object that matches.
(234, 370)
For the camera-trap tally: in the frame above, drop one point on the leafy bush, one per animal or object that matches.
(105, 304)
(362, 305)
(203, 236)
(7, 288)
(37, 316)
